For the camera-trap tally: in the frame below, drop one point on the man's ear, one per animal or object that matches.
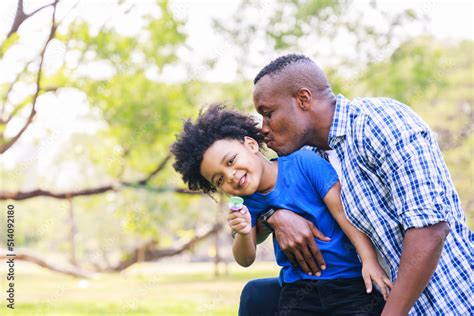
(251, 143)
(304, 98)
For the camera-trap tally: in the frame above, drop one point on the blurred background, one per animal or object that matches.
(94, 92)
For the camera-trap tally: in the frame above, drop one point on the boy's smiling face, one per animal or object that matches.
(233, 167)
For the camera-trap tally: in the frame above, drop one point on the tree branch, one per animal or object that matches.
(22, 105)
(52, 33)
(148, 252)
(19, 195)
(10, 88)
(21, 16)
(145, 252)
(164, 190)
(41, 8)
(42, 263)
(156, 171)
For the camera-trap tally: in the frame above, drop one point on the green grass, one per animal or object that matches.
(146, 289)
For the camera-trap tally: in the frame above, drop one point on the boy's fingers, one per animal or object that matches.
(383, 288)
(231, 216)
(237, 216)
(238, 221)
(388, 283)
(242, 225)
(368, 283)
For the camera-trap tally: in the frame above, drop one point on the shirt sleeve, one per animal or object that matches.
(253, 218)
(408, 162)
(319, 171)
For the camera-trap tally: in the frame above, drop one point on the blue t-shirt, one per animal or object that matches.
(303, 180)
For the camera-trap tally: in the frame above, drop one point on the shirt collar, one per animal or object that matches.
(339, 122)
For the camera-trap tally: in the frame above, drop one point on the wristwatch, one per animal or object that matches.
(265, 216)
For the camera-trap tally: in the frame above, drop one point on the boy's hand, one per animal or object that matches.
(239, 221)
(372, 271)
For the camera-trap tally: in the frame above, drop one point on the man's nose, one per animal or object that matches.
(265, 128)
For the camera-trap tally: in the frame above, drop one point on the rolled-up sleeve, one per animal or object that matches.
(408, 162)
(415, 181)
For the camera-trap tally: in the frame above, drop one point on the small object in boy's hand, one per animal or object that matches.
(236, 203)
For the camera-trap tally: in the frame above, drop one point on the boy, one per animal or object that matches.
(221, 152)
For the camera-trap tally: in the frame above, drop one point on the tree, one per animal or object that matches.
(119, 77)
(337, 33)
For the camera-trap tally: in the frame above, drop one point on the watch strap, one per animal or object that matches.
(265, 216)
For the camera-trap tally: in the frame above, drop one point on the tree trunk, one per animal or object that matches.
(148, 252)
(219, 214)
(72, 234)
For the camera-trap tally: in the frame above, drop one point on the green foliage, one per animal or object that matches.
(8, 43)
(315, 28)
(286, 30)
(413, 69)
(139, 114)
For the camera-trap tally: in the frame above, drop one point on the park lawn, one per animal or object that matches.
(145, 289)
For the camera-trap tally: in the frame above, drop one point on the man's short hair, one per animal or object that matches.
(215, 124)
(297, 71)
(277, 65)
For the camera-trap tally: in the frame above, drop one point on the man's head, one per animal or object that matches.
(292, 94)
(220, 152)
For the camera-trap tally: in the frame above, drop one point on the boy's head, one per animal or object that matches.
(220, 151)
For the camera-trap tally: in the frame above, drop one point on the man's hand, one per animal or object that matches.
(295, 235)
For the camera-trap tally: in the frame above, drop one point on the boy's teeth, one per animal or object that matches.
(242, 180)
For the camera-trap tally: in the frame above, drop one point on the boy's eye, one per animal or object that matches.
(268, 114)
(219, 181)
(231, 161)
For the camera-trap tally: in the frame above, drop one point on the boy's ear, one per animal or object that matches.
(251, 143)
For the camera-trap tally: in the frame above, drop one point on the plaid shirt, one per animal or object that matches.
(394, 178)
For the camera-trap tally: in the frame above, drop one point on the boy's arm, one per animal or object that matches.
(371, 268)
(244, 248)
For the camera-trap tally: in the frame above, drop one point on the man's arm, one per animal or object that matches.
(410, 161)
(421, 251)
(295, 235)
(262, 231)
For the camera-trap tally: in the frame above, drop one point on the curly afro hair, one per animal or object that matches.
(215, 124)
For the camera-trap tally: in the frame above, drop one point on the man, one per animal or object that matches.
(395, 186)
